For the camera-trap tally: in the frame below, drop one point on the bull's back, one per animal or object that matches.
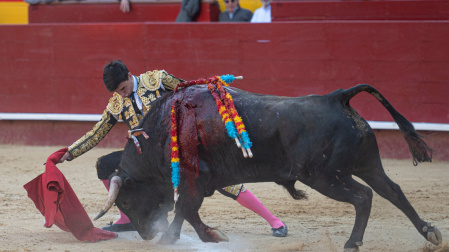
(290, 135)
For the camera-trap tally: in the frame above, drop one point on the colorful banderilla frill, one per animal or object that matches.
(226, 108)
(230, 107)
(175, 169)
(229, 115)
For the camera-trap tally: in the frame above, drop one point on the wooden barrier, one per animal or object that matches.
(57, 68)
(60, 66)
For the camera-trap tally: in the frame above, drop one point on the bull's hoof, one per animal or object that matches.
(356, 249)
(433, 234)
(216, 235)
(168, 239)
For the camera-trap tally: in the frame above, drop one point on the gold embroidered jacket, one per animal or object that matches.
(149, 87)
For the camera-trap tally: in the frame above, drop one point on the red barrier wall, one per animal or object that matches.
(60, 65)
(57, 68)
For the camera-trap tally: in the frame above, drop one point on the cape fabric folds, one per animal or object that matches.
(56, 200)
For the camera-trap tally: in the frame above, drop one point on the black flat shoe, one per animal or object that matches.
(119, 227)
(281, 231)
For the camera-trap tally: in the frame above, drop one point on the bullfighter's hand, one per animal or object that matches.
(66, 156)
(124, 6)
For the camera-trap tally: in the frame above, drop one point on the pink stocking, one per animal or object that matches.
(123, 218)
(248, 200)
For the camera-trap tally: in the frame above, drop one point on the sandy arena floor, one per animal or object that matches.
(318, 224)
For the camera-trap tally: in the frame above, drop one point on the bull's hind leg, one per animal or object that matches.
(385, 187)
(346, 189)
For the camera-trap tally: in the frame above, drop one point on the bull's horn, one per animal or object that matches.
(116, 183)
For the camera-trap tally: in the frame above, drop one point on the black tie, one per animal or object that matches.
(133, 100)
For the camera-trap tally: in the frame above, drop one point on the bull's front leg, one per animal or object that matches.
(188, 207)
(173, 232)
(206, 233)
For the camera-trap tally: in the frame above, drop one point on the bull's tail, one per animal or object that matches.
(419, 149)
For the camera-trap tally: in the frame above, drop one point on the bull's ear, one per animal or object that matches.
(129, 183)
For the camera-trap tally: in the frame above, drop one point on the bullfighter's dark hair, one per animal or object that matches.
(114, 73)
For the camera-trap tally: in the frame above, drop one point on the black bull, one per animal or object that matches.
(320, 141)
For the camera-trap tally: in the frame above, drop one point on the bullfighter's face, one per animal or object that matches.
(126, 87)
(147, 206)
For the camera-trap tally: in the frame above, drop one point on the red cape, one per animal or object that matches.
(56, 200)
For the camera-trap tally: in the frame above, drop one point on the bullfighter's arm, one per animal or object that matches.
(94, 136)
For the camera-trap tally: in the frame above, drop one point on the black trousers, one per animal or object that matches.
(107, 164)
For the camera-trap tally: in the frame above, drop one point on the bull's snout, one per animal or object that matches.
(148, 237)
(160, 225)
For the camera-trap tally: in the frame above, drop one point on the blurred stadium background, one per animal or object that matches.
(52, 57)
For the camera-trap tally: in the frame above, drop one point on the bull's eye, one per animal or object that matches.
(125, 204)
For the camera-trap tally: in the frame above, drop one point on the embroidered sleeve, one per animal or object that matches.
(169, 81)
(94, 136)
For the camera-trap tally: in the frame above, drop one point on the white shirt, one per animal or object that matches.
(136, 96)
(262, 15)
